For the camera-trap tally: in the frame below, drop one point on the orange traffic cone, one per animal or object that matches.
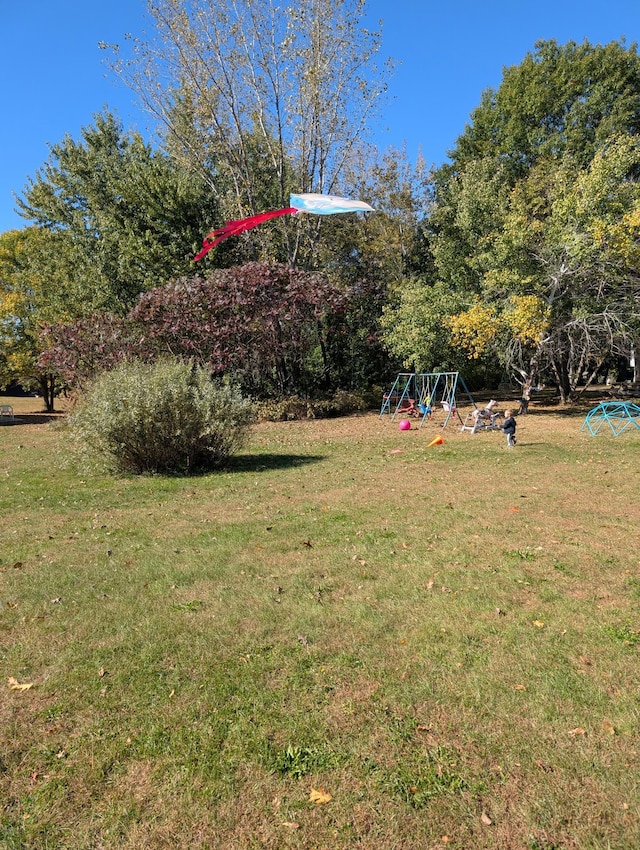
(437, 441)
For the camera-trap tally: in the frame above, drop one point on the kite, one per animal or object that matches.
(309, 203)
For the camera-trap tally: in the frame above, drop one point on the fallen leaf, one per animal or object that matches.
(577, 731)
(15, 685)
(608, 728)
(291, 824)
(486, 820)
(538, 624)
(429, 584)
(18, 565)
(319, 796)
(514, 508)
(102, 672)
(520, 687)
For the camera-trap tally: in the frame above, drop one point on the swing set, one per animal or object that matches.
(420, 393)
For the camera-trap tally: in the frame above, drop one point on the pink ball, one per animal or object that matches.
(404, 425)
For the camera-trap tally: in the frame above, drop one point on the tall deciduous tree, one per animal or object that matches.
(265, 98)
(536, 216)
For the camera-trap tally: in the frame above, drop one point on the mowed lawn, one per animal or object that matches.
(345, 639)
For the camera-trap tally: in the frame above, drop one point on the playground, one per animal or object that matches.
(443, 398)
(345, 638)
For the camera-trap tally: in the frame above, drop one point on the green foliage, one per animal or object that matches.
(168, 417)
(560, 99)
(126, 217)
(414, 326)
(26, 299)
(536, 219)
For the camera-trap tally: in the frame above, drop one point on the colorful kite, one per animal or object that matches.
(309, 203)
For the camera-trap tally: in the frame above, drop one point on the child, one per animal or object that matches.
(509, 427)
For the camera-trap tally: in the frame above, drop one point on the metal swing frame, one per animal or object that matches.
(423, 391)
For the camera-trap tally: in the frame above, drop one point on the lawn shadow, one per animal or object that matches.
(32, 419)
(268, 462)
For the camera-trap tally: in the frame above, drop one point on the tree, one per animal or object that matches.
(563, 290)
(126, 217)
(415, 326)
(535, 219)
(561, 99)
(264, 99)
(367, 260)
(23, 305)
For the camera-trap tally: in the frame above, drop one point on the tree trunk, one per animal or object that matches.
(48, 389)
(561, 372)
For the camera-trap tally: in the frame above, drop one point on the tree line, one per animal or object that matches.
(518, 256)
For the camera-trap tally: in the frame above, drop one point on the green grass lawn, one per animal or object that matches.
(443, 641)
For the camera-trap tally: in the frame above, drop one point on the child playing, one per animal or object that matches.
(509, 427)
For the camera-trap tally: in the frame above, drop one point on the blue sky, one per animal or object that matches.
(53, 80)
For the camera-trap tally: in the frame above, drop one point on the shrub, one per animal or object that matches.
(285, 409)
(165, 417)
(342, 403)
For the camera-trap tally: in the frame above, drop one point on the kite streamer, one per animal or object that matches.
(233, 228)
(309, 203)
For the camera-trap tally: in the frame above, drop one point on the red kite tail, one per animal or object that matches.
(233, 228)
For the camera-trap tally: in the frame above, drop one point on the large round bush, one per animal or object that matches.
(164, 417)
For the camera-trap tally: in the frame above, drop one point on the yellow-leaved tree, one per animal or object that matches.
(25, 303)
(535, 219)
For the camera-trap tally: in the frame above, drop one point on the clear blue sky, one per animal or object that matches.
(53, 81)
